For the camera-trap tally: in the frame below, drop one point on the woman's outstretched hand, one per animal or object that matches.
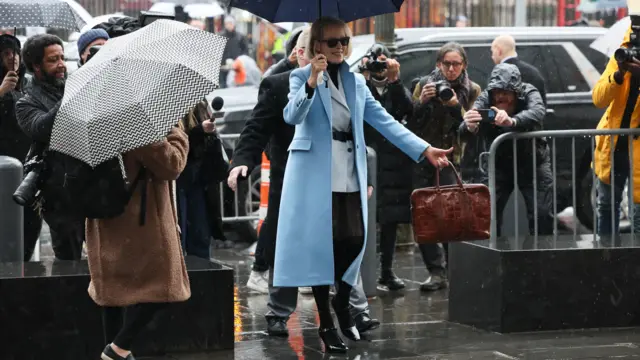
(438, 157)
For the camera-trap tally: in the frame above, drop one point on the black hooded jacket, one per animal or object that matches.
(13, 141)
(529, 116)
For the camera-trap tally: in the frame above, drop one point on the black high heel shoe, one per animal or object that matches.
(347, 324)
(332, 341)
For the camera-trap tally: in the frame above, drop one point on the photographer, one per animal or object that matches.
(519, 107)
(91, 38)
(43, 56)
(440, 99)
(617, 90)
(394, 169)
(13, 142)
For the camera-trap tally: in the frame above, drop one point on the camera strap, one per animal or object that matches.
(632, 99)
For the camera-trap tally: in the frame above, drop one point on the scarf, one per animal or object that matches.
(461, 86)
(379, 83)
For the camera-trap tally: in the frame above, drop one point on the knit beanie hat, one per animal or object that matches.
(89, 37)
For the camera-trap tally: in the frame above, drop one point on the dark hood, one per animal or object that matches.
(505, 77)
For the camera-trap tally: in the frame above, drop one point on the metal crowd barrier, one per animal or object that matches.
(241, 210)
(551, 136)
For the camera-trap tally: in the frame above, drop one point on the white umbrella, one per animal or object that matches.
(593, 6)
(613, 38)
(204, 10)
(201, 10)
(135, 89)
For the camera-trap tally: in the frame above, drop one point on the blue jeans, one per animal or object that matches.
(605, 207)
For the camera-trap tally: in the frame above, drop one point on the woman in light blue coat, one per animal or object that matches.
(321, 232)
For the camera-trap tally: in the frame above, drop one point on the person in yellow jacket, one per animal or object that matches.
(617, 90)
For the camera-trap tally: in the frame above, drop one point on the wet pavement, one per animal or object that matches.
(414, 327)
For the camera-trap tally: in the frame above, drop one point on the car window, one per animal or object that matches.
(480, 64)
(559, 71)
(416, 64)
(598, 59)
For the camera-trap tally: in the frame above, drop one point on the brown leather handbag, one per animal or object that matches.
(451, 213)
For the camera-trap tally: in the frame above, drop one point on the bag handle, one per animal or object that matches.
(458, 179)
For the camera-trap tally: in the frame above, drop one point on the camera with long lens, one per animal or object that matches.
(373, 65)
(633, 51)
(26, 193)
(444, 91)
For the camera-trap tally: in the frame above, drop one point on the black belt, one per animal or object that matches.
(342, 136)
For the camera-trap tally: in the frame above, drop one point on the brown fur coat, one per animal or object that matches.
(132, 264)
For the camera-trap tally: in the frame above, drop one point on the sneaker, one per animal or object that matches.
(259, 282)
(434, 282)
(305, 290)
(109, 354)
(277, 327)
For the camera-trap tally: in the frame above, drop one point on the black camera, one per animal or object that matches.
(92, 51)
(26, 193)
(633, 51)
(373, 65)
(443, 90)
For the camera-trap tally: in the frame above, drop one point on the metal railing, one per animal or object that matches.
(243, 206)
(551, 136)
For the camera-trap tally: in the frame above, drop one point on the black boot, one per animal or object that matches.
(332, 341)
(390, 280)
(347, 324)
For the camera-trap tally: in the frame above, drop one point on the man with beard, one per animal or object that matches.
(13, 142)
(267, 125)
(43, 56)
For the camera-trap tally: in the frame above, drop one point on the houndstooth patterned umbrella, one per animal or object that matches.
(135, 89)
(39, 13)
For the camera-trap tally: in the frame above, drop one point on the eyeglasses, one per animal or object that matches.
(455, 65)
(334, 42)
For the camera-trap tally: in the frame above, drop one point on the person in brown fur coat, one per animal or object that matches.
(137, 270)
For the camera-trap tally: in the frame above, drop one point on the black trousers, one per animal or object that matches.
(122, 325)
(435, 255)
(348, 240)
(67, 235)
(543, 191)
(32, 228)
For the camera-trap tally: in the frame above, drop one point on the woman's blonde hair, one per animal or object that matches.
(316, 34)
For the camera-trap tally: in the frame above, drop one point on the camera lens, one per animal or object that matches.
(622, 55)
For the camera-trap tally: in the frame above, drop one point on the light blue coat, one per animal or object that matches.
(304, 244)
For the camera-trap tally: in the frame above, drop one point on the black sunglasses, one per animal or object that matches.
(334, 42)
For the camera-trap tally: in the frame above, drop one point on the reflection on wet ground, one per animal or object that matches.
(414, 328)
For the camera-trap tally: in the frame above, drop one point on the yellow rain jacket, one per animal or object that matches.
(607, 93)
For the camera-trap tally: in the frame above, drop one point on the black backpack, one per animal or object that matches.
(74, 188)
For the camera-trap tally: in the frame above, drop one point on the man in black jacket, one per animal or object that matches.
(519, 108)
(43, 56)
(503, 50)
(267, 125)
(14, 142)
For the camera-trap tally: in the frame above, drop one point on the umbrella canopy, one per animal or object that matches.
(200, 10)
(135, 89)
(310, 10)
(593, 6)
(57, 14)
(611, 40)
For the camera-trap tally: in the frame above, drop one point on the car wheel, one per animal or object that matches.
(586, 200)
